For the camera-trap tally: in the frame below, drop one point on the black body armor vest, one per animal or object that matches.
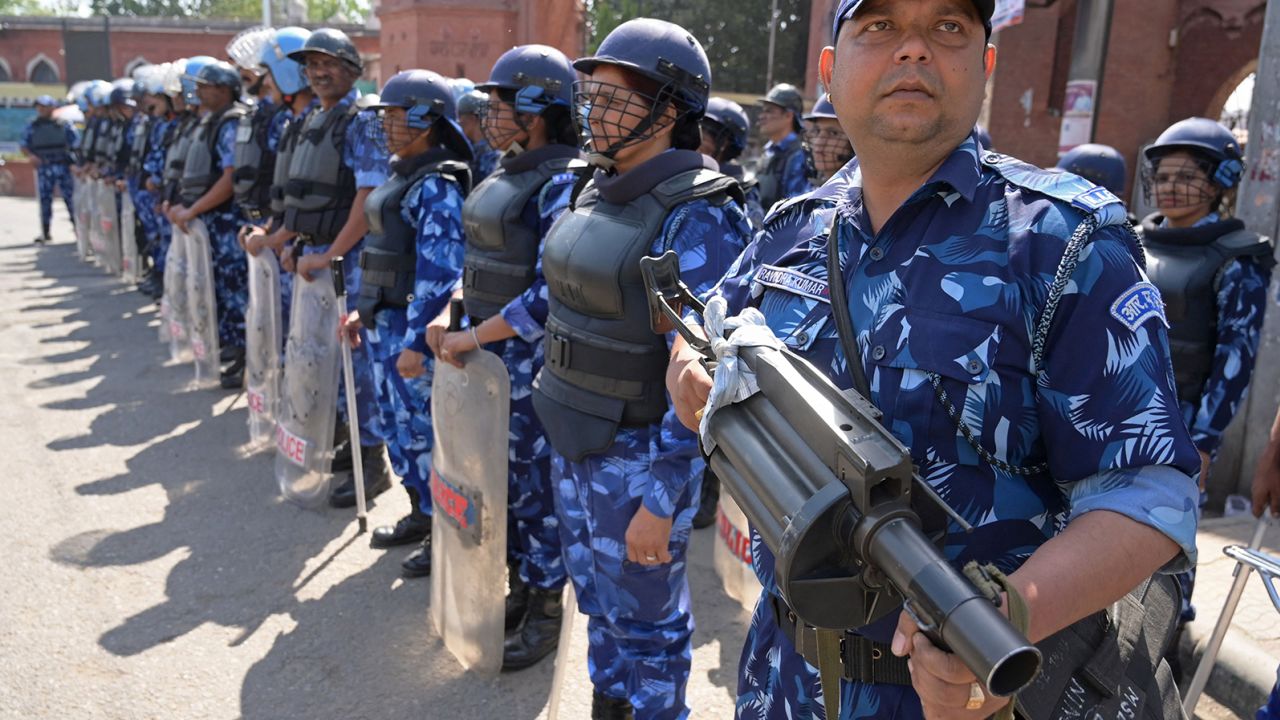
(175, 158)
(502, 251)
(255, 164)
(321, 189)
(49, 141)
(605, 365)
(203, 167)
(389, 260)
(770, 179)
(1186, 265)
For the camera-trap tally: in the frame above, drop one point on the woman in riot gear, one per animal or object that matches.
(626, 474)
(724, 136)
(1213, 275)
(528, 119)
(410, 263)
(828, 145)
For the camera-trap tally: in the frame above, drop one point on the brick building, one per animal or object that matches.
(463, 39)
(66, 50)
(1166, 60)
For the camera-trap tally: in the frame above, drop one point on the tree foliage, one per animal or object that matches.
(353, 11)
(735, 35)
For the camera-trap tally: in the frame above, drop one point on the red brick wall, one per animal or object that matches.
(464, 40)
(19, 47)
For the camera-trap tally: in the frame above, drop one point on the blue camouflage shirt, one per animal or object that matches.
(953, 287)
(153, 163)
(486, 161)
(795, 174)
(433, 206)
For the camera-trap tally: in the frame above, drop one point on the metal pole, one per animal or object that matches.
(1258, 205)
(773, 41)
(266, 13)
(1084, 80)
(1210, 656)
(348, 374)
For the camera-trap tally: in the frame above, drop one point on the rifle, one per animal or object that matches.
(838, 501)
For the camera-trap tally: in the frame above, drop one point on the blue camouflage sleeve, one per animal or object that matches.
(436, 208)
(795, 176)
(527, 314)
(1242, 301)
(1118, 442)
(73, 135)
(153, 163)
(226, 145)
(26, 135)
(708, 239)
(366, 157)
(275, 129)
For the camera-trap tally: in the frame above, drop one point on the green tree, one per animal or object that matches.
(734, 34)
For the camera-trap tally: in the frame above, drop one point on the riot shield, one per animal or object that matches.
(308, 393)
(262, 326)
(174, 306)
(130, 266)
(733, 554)
(470, 410)
(203, 312)
(97, 240)
(84, 217)
(109, 221)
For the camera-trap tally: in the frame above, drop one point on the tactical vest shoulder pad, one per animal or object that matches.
(1246, 243)
(1066, 187)
(454, 170)
(695, 185)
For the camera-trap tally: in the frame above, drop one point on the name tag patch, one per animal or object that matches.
(1139, 304)
(792, 281)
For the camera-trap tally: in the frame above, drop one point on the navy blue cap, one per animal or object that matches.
(47, 101)
(986, 8)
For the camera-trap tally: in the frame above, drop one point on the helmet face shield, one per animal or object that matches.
(1178, 179)
(612, 117)
(499, 120)
(829, 146)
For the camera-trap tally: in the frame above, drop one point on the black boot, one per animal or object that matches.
(538, 635)
(227, 354)
(517, 597)
(604, 707)
(43, 237)
(706, 515)
(418, 564)
(233, 374)
(409, 529)
(377, 479)
(341, 451)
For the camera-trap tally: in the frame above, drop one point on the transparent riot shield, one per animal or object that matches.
(84, 217)
(109, 221)
(308, 393)
(262, 326)
(97, 241)
(130, 262)
(733, 554)
(470, 409)
(202, 309)
(174, 306)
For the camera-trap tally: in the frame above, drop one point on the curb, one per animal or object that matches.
(1243, 675)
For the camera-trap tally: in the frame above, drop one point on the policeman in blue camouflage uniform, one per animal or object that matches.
(471, 106)
(1213, 274)
(48, 143)
(626, 473)
(152, 106)
(410, 264)
(285, 82)
(529, 119)
(334, 166)
(172, 114)
(783, 170)
(207, 192)
(724, 136)
(1060, 442)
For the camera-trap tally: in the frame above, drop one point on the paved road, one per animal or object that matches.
(151, 570)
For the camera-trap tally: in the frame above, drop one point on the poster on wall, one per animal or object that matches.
(1077, 115)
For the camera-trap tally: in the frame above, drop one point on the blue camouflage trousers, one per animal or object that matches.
(640, 625)
(405, 405)
(533, 532)
(144, 209)
(230, 276)
(367, 414)
(776, 683)
(51, 175)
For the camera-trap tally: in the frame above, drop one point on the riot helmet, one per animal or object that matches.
(829, 146)
(1195, 161)
(428, 105)
(674, 84)
(1099, 164)
(529, 80)
(725, 128)
(331, 42)
(286, 72)
(189, 74)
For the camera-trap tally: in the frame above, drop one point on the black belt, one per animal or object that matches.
(862, 659)
(564, 352)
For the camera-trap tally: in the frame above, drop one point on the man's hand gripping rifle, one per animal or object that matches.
(833, 494)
